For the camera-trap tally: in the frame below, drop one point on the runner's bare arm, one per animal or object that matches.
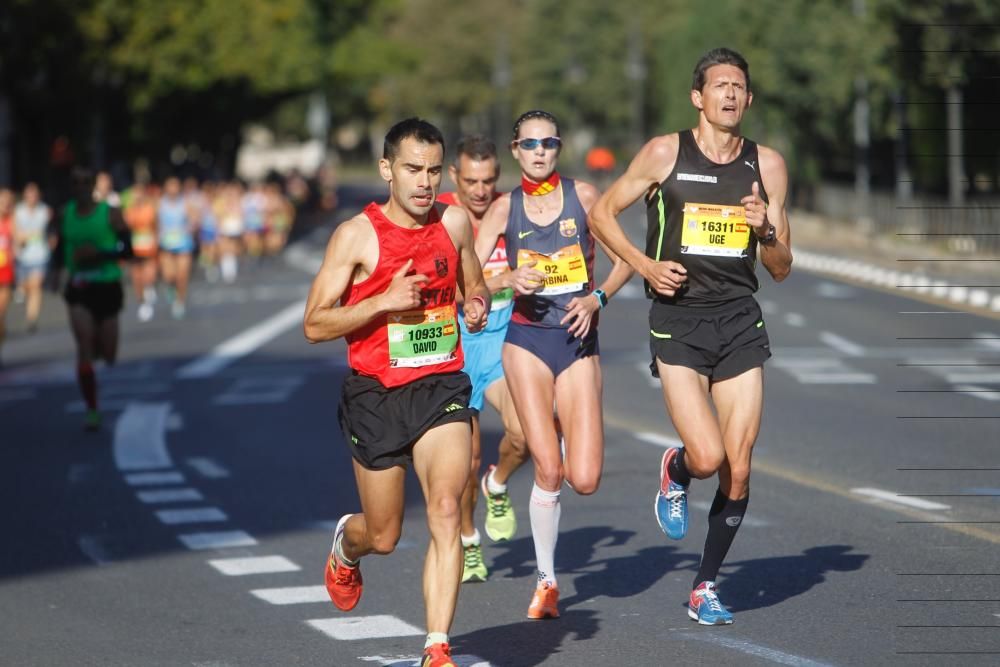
(648, 169)
(580, 310)
(349, 247)
(777, 258)
(470, 270)
(524, 279)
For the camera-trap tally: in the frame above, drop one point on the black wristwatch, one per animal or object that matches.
(771, 238)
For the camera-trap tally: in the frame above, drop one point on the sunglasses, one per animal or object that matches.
(548, 143)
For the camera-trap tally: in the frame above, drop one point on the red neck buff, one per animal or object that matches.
(538, 189)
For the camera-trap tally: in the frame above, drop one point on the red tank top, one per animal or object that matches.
(7, 250)
(401, 347)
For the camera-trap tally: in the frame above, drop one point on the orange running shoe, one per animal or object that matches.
(545, 602)
(343, 583)
(437, 655)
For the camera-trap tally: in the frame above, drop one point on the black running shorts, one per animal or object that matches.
(719, 342)
(381, 425)
(103, 300)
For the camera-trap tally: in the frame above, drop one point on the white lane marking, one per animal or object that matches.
(664, 441)
(795, 320)
(835, 291)
(292, 594)
(93, 548)
(983, 378)
(249, 391)
(139, 442)
(841, 344)
(154, 478)
(890, 497)
(195, 515)
(168, 495)
(753, 522)
(793, 363)
(822, 371)
(238, 567)
(462, 660)
(365, 627)
(984, 393)
(987, 339)
(768, 307)
(217, 540)
(206, 467)
(244, 343)
(750, 648)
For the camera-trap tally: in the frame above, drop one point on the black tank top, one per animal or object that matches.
(563, 250)
(695, 218)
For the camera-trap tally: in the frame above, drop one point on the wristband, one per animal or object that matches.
(480, 299)
(602, 297)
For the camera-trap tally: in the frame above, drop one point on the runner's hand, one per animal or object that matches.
(581, 311)
(403, 292)
(475, 315)
(525, 279)
(755, 208)
(666, 277)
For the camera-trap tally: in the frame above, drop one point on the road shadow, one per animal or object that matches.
(527, 643)
(764, 582)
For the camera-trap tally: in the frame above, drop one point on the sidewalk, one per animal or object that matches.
(925, 269)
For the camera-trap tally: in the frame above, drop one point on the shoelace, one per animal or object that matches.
(676, 499)
(499, 505)
(344, 574)
(473, 557)
(712, 600)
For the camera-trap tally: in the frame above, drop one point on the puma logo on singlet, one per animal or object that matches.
(752, 165)
(521, 235)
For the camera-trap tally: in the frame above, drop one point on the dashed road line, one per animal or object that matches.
(365, 627)
(207, 467)
(890, 497)
(154, 478)
(175, 517)
(226, 539)
(841, 344)
(139, 442)
(292, 595)
(243, 343)
(157, 496)
(750, 648)
(238, 567)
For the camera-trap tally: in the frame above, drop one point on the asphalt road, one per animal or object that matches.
(193, 529)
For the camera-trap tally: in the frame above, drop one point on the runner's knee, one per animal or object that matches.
(549, 477)
(703, 463)
(384, 541)
(444, 508)
(584, 484)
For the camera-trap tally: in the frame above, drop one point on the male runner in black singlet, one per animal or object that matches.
(714, 201)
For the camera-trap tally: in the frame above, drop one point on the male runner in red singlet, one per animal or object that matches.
(388, 284)
(714, 200)
(475, 173)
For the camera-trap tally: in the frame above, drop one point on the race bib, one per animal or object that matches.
(709, 229)
(3, 257)
(143, 241)
(422, 337)
(565, 270)
(173, 238)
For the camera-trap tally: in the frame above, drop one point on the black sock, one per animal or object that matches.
(678, 471)
(724, 519)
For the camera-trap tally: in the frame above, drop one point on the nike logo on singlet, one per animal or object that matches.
(521, 235)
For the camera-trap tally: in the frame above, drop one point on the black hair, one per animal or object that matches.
(415, 128)
(720, 56)
(475, 147)
(531, 115)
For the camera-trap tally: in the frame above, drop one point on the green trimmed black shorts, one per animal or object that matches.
(719, 342)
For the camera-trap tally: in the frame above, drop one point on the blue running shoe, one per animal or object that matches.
(704, 606)
(671, 505)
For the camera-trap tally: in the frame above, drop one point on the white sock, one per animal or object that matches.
(544, 510)
(471, 540)
(493, 486)
(229, 268)
(436, 638)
